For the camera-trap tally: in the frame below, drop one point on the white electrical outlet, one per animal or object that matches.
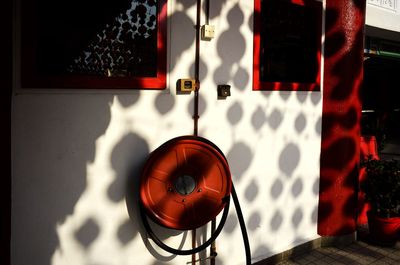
(207, 32)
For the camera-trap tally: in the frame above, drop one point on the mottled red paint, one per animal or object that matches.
(343, 74)
(369, 149)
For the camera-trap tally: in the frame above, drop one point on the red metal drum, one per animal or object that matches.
(185, 182)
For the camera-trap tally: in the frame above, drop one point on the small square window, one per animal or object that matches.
(93, 44)
(287, 45)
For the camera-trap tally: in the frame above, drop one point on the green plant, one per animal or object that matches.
(382, 187)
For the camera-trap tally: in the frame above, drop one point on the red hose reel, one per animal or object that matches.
(185, 183)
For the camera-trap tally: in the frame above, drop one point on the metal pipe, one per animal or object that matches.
(207, 11)
(194, 246)
(197, 70)
(196, 99)
(213, 247)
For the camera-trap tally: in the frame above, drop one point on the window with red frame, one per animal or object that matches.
(93, 44)
(287, 45)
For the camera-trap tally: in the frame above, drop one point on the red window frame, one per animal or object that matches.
(31, 79)
(285, 86)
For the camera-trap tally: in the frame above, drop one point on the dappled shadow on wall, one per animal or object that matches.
(57, 173)
(230, 58)
(130, 152)
(95, 210)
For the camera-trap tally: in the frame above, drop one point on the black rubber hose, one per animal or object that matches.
(214, 235)
(242, 225)
(175, 251)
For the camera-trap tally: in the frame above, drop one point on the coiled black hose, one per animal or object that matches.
(242, 225)
(214, 235)
(175, 251)
(220, 226)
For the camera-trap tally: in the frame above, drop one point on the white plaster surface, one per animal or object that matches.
(76, 157)
(383, 15)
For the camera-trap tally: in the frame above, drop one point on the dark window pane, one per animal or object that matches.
(101, 38)
(289, 38)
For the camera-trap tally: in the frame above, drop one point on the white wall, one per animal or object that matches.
(76, 155)
(381, 15)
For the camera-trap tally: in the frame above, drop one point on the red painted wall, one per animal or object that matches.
(343, 73)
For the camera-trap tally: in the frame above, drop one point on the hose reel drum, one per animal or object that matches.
(185, 183)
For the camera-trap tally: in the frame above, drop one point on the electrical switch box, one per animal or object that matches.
(207, 32)
(186, 85)
(223, 91)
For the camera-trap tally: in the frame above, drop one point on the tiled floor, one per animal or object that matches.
(356, 253)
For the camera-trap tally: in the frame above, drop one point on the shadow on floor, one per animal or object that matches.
(359, 252)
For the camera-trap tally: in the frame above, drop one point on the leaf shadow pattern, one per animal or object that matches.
(341, 117)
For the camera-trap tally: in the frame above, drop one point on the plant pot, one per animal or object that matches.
(383, 231)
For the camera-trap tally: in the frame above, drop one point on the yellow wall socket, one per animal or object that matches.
(186, 85)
